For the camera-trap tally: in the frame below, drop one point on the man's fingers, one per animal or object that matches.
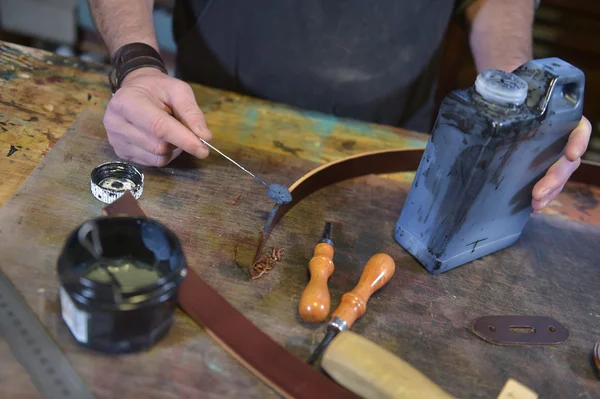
(555, 178)
(186, 110)
(150, 118)
(145, 141)
(579, 140)
(538, 205)
(135, 154)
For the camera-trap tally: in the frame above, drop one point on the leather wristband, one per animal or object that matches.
(130, 57)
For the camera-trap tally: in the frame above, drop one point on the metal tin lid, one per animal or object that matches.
(499, 87)
(111, 180)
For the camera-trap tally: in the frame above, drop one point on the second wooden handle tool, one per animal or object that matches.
(370, 371)
(315, 300)
(377, 272)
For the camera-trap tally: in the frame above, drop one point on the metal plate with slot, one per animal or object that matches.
(520, 330)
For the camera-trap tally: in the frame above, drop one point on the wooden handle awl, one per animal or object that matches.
(370, 371)
(315, 300)
(377, 272)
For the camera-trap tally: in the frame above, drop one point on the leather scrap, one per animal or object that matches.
(378, 162)
(259, 353)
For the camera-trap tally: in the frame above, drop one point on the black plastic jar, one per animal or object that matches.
(119, 280)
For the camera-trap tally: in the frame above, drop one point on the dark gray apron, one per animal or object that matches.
(369, 60)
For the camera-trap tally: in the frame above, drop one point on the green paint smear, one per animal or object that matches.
(8, 75)
(247, 126)
(129, 273)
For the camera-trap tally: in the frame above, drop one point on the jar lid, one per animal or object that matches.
(111, 180)
(499, 87)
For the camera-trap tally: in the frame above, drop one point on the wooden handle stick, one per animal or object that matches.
(377, 272)
(315, 300)
(370, 371)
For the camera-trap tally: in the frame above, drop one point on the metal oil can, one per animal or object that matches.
(490, 144)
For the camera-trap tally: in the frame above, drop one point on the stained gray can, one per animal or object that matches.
(491, 143)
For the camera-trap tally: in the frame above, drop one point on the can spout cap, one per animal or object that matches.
(502, 88)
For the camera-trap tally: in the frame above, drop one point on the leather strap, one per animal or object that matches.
(259, 353)
(378, 162)
(130, 57)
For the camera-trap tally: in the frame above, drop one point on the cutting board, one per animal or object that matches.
(217, 212)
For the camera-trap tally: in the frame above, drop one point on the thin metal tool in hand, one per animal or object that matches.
(232, 161)
(277, 192)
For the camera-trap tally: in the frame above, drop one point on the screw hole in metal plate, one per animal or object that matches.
(521, 329)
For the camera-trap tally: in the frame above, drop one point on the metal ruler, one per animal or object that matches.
(33, 347)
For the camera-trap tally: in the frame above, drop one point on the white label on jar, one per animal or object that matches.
(76, 320)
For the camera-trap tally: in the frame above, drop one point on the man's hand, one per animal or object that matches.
(500, 37)
(553, 182)
(153, 118)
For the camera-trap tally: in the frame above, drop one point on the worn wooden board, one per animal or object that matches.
(553, 270)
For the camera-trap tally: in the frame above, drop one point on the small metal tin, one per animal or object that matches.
(119, 279)
(110, 180)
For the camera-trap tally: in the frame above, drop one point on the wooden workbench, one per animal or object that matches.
(42, 94)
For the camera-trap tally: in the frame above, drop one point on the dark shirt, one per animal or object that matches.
(375, 61)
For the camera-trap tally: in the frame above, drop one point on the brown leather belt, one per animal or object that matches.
(258, 352)
(268, 360)
(378, 162)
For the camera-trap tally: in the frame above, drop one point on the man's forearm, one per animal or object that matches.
(124, 21)
(501, 33)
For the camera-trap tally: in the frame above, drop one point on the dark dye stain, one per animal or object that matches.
(522, 198)
(51, 139)
(459, 195)
(7, 75)
(67, 157)
(228, 99)
(89, 96)
(500, 182)
(12, 150)
(283, 147)
(552, 152)
(3, 123)
(584, 199)
(215, 106)
(20, 220)
(349, 144)
(54, 79)
(4, 129)
(39, 82)
(33, 119)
